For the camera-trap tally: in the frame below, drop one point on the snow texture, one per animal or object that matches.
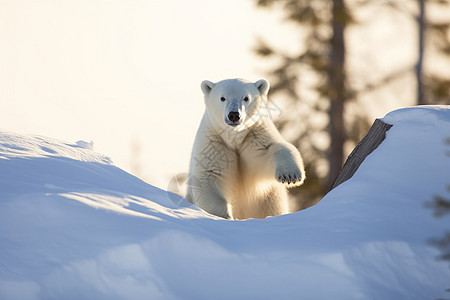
(74, 226)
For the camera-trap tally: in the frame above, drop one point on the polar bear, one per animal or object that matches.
(240, 165)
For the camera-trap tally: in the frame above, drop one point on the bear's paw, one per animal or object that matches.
(290, 175)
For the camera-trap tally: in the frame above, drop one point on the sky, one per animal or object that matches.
(126, 74)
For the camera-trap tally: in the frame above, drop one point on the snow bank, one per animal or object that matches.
(74, 226)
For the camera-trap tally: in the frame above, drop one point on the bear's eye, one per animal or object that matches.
(245, 98)
(222, 99)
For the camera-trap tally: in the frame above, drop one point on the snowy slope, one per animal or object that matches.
(74, 226)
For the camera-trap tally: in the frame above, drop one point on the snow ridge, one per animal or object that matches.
(74, 226)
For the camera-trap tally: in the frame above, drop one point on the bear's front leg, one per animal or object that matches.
(212, 200)
(207, 195)
(288, 165)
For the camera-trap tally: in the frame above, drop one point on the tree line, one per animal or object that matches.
(329, 116)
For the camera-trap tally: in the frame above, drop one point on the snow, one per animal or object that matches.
(85, 145)
(74, 226)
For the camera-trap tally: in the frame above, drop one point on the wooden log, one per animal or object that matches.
(370, 142)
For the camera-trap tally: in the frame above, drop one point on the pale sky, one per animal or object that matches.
(124, 73)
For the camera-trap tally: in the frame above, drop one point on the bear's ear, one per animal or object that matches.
(207, 87)
(263, 86)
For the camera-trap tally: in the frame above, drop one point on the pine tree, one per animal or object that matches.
(434, 40)
(314, 80)
(323, 23)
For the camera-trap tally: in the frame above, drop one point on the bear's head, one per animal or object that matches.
(235, 103)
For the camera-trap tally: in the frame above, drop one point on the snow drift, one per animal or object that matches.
(74, 226)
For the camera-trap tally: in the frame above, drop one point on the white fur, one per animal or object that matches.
(241, 171)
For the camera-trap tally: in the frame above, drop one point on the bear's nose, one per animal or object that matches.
(234, 116)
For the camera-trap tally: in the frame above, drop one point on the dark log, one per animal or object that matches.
(370, 142)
